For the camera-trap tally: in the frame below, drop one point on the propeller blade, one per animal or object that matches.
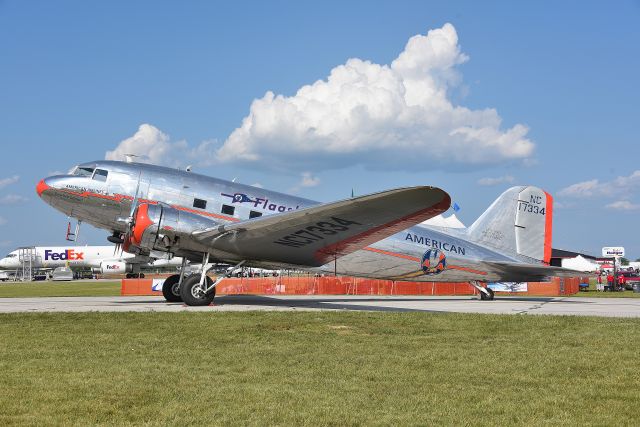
(134, 203)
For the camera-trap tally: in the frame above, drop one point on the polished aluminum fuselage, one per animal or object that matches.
(104, 204)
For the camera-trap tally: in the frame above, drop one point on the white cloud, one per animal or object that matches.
(8, 181)
(623, 205)
(507, 179)
(396, 116)
(621, 186)
(309, 180)
(306, 180)
(12, 199)
(2, 221)
(150, 145)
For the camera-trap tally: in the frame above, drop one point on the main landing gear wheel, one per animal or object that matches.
(486, 297)
(193, 294)
(171, 288)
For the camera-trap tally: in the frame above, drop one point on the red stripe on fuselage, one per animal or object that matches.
(120, 197)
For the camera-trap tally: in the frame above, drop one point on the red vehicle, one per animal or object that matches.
(628, 279)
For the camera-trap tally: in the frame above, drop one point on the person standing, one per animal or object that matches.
(599, 286)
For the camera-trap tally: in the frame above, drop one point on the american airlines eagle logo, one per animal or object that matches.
(434, 261)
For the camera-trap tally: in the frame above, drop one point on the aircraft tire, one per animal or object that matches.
(171, 288)
(189, 291)
(485, 297)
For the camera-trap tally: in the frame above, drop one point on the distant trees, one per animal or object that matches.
(624, 261)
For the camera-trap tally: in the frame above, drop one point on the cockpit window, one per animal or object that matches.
(11, 256)
(100, 175)
(82, 171)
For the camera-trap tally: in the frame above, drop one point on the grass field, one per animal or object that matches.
(596, 294)
(60, 289)
(593, 293)
(327, 368)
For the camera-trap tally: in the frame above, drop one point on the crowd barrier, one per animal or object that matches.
(304, 285)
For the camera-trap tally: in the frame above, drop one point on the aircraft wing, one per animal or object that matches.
(319, 234)
(519, 272)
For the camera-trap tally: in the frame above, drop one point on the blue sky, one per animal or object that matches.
(79, 78)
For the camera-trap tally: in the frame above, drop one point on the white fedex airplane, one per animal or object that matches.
(104, 259)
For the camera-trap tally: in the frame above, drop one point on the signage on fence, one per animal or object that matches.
(613, 251)
(508, 286)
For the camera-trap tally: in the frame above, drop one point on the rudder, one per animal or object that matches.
(518, 222)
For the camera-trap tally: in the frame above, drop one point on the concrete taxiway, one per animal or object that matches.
(609, 307)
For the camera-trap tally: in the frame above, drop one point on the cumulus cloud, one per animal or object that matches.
(621, 186)
(396, 116)
(309, 180)
(507, 179)
(12, 199)
(150, 145)
(8, 181)
(623, 205)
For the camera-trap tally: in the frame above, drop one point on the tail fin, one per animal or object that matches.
(518, 222)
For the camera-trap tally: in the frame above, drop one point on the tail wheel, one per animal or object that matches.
(486, 297)
(193, 294)
(171, 288)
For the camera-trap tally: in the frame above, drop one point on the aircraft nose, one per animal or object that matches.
(43, 185)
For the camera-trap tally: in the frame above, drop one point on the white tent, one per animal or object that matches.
(580, 263)
(440, 221)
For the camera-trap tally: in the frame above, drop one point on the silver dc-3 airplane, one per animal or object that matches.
(208, 220)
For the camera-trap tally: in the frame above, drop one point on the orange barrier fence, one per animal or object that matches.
(304, 285)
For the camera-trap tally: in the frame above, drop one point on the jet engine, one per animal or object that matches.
(115, 267)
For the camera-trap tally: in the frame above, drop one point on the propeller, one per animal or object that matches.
(130, 221)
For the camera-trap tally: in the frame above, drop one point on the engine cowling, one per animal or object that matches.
(163, 228)
(115, 267)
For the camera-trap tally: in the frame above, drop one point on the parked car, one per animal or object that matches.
(630, 278)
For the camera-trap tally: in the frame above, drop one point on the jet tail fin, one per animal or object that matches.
(518, 222)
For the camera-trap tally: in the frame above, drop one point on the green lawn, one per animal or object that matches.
(595, 294)
(329, 368)
(59, 289)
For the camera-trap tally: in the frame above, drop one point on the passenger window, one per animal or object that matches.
(228, 210)
(254, 214)
(100, 175)
(199, 203)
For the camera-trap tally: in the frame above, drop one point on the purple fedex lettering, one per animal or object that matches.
(68, 254)
(55, 256)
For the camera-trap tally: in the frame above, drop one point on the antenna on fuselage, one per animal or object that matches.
(129, 158)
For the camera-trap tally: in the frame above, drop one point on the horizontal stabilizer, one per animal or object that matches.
(319, 234)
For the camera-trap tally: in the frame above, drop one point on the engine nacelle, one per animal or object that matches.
(163, 228)
(115, 267)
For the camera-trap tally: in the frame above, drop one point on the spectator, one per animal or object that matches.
(609, 282)
(599, 286)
